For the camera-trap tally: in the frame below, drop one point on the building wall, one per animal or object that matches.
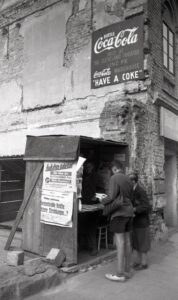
(45, 57)
(45, 66)
(163, 87)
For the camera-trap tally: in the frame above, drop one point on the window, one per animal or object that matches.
(168, 48)
(169, 21)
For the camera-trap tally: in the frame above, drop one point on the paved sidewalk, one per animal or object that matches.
(159, 282)
(16, 243)
(14, 284)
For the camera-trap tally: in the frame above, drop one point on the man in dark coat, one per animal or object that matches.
(141, 233)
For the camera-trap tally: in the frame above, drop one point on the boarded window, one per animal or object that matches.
(12, 188)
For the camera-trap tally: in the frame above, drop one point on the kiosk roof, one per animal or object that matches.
(61, 147)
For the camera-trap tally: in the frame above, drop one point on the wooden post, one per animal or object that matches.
(0, 182)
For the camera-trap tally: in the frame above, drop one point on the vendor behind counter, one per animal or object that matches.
(88, 222)
(89, 183)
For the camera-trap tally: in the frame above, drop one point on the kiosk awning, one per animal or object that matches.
(60, 147)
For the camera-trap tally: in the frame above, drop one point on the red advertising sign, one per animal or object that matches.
(117, 53)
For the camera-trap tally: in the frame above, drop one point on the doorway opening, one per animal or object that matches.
(170, 211)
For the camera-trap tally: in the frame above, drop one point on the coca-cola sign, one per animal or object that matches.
(117, 53)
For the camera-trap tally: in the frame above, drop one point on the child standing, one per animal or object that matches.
(141, 233)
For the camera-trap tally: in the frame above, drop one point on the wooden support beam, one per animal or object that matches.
(26, 200)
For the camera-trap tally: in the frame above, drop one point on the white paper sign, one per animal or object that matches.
(59, 185)
(59, 176)
(80, 162)
(57, 208)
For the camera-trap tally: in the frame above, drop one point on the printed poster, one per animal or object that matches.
(57, 208)
(59, 176)
(59, 185)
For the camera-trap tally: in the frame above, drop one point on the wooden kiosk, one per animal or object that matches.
(39, 237)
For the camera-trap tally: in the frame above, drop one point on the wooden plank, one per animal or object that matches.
(10, 206)
(12, 185)
(9, 216)
(8, 196)
(33, 180)
(9, 176)
(32, 228)
(0, 180)
(75, 228)
(11, 190)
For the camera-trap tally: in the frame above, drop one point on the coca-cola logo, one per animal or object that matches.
(123, 38)
(104, 72)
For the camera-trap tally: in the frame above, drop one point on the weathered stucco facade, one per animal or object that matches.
(45, 61)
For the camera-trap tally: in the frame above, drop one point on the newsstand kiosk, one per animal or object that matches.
(52, 162)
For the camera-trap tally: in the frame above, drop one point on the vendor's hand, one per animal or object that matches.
(100, 196)
(100, 200)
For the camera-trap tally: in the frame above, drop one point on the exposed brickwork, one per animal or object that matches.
(80, 25)
(11, 56)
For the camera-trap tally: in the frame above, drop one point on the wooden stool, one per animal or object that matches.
(102, 235)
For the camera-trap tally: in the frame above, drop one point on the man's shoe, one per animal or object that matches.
(112, 277)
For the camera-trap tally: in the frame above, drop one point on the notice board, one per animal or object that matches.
(117, 53)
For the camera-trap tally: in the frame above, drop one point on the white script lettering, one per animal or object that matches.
(123, 38)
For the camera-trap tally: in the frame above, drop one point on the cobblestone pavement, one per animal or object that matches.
(159, 282)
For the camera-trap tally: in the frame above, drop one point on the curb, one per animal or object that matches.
(15, 285)
(83, 267)
(22, 286)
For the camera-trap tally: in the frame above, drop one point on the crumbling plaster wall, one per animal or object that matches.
(38, 46)
(45, 63)
(45, 75)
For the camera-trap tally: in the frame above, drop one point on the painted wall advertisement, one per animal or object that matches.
(117, 53)
(59, 185)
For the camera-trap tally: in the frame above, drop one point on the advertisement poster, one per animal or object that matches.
(117, 53)
(56, 208)
(59, 176)
(59, 185)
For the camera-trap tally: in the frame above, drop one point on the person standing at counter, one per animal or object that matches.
(141, 233)
(120, 197)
